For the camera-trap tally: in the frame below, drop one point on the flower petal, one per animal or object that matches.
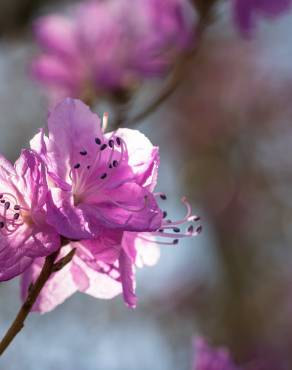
(20, 248)
(127, 272)
(129, 207)
(143, 157)
(56, 35)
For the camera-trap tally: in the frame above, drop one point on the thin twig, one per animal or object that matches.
(48, 268)
(179, 71)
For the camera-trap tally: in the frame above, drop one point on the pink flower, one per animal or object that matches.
(109, 46)
(24, 233)
(208, 358)
(100, 182)
(246, 11)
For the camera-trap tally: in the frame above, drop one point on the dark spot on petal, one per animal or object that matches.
(1, 196)
(176, 229)
(88, 167)
(83, 152)
(7, 205)
(164, 214)
(2, 201)
(163, 196)
(2, 225)
(118, 140)
(111, 143)
(103, 147)
(97, 141)
(103, 176)
(115, 163)
(16, 216)
(199, 229)
(77, 165)
(190, 228)
(17, 207)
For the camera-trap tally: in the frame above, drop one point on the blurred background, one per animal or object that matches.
(225, 137)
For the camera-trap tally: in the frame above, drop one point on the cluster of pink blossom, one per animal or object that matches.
(246, 12)
(111, 46)
(95, 191)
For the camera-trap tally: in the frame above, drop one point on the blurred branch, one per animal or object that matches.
(205, 8)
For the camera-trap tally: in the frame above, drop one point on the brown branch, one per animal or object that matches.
(180, 69)
(33, 292)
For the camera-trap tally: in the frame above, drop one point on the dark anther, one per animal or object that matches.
(83, 152)
(97, 141)
(164, 214)
(2, 225)
(163, 196)
(2, 200)
(115, 163)
(77, 165)
(88, 167)
(7, 205)
(103, 176)
(17, 207)
(175, 241)
(118, 140)
(1, 196)
(176, 229)
(110, 166)
(103, 147)
(197, 218)
(161, 230)
(190, 228)
(199, 229)
(111, 143)
(16, 216)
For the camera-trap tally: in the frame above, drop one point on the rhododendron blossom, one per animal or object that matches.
(24, 233)
(102, 196)
(246, 11)
(100, 182)
(110, 46)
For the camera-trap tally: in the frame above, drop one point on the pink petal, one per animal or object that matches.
(128, 280)
(56, 35)
(143, 157)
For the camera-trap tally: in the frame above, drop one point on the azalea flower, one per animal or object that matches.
(102, 196)
(24, 233)
(111, 46)
(99, 182)
(246, 11)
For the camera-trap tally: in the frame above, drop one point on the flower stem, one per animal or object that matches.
(48, 268)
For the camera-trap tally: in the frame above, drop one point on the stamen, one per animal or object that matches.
(103, 147)
(111, 143)
(97, 141)
(118, 140)
(103, 176)
(77, 165)
(17, 207)
(16, 216)
(83, 152)
(7, 205)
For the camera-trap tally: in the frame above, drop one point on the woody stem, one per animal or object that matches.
(48, 268)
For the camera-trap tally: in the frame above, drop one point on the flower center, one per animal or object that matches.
(12, 214)
(90, 174)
